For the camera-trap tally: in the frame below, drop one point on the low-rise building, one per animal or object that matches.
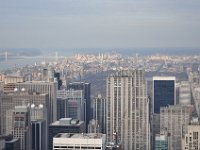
(82, 141)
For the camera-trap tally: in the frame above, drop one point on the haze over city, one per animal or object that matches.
(100, 74)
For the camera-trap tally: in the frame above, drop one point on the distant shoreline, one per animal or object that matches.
(124, 51)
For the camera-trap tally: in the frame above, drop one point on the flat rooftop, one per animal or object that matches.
(80, 135)
(67, 122)
(12, 141)
(164, 78)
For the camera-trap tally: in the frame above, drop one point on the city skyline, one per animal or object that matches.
(100, 74)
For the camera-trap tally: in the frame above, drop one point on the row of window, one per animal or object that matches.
(75, 147)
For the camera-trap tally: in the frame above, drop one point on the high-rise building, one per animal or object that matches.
(12, 144)
(57, 76)
(62, 103)
(22, 126)
(65, 125)
(50, 74)
(71, 104)
(99, 113)
(164, 92)
(84, 141)
(2, 143)
(184, 93)
(39, 125)
(8, 101)
(127, 110)
(191, 139)
(76, 105)
(174, 120)
(86, 90)
(39, 135)
(43, 87)
(38, 112)
(196, 98)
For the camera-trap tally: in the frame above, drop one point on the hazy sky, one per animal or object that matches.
(99, 23)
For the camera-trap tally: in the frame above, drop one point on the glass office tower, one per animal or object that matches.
(164, 92)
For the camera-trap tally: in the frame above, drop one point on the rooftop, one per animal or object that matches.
(164, 78)
(80, 135)
(67, 122)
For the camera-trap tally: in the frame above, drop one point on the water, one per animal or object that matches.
(12, 63)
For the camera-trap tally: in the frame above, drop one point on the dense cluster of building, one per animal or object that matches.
(47, 110)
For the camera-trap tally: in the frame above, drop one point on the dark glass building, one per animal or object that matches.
(12, 144)
(39, 135)
(57, 76)
(164, 92)
(86, 89)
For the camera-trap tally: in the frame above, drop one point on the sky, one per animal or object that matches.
(99, 23)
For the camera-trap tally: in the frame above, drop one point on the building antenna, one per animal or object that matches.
(56, 56)
(6, 56)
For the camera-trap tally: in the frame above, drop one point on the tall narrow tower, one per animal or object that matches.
(6, 56)
(56, 56)
(22, 126)
(128, 110)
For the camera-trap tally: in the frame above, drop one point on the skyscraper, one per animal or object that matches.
(174, 120)
(39, 125)
(71, 104)
(164, 92)
(39, 135)
(43, 87)
(128, 110)
(8, 101)
(86, 90)
(99, 113)
(22, 126)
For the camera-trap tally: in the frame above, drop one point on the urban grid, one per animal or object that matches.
(95, 102)
(99, 74)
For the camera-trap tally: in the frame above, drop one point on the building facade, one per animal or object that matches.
(86, 87)
(85, 141)
(8, 101)
(39, 135)
(184, 93)
(43, 87)
(22, 126)
(191, 139)
(99, 113)
(164, 92)
(174, 120)
(65, 125)
(127, 112)
(71, 104)
(12, 144)
(161, 142)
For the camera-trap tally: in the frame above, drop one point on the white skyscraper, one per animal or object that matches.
(128, 110)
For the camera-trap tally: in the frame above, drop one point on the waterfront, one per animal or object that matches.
(15, 63)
